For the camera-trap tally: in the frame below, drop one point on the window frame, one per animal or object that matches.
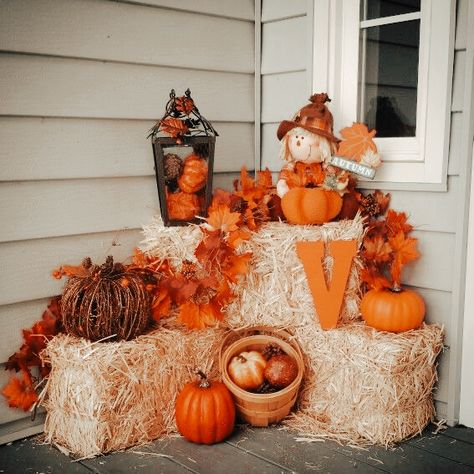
(408, 162)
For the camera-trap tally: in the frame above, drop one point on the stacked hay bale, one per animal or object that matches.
(360, 385)
(106, 396)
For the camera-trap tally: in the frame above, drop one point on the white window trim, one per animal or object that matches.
(408, 163)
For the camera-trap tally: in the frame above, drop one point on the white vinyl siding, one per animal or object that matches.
(82, 82)
(285, 60)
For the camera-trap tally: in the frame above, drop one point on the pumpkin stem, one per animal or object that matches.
(204, 383)
(396, 289)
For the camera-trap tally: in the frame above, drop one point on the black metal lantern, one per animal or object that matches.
(183, 148)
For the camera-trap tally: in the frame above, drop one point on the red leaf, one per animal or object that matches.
(180, 288)
(20, 392)
(184, 104)
(209, 247)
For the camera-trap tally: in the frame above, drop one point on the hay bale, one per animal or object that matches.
(364, 386)
(275, 291)
(106, 396)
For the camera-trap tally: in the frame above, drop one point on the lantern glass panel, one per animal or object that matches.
(184, 177)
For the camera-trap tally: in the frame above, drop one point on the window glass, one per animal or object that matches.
(370, 9)
(388, 65)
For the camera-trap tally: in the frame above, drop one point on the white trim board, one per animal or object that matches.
(466, 410)
(461, 367)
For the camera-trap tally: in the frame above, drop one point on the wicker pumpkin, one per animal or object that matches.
(194, 175)
(182, 206)
(205, 411)
(310, 205)
(105, 301)
(393, 310)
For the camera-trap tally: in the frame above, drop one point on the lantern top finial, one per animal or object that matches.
(182, 119)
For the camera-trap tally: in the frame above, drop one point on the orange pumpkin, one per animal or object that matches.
(247, 370)
(393, 310)
(205, 411)
(182, 206)
(194, 175)
(310, 205)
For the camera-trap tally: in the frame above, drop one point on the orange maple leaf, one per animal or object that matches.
(70, 271)
(374, 278)
(383, 201)
(210, 248)
(161, 304)
(397, 222)
(180, 288)
(248, 190)
(405, 251)
(264, 179)
(220, 218)
(235, 266)
(199, 316)
(236, 237)
(222, 197)
(173, 127)
(249, 219)
(376, 249)
(224, 294)
(356, 140)
(20, 392)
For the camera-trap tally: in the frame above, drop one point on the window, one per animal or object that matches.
(388, 63)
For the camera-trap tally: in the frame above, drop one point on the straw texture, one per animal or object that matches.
(107, 396)
(364, 386)
(360, 386)
(275, 291)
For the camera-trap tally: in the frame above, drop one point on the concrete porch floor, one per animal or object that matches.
(250, 450)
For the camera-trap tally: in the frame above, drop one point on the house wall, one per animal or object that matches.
(286, 76)
(82, 82)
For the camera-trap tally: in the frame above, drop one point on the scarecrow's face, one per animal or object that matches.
(307, 147)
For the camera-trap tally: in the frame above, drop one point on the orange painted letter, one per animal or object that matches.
(327, 301)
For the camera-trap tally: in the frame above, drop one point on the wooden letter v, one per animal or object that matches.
(327, 298)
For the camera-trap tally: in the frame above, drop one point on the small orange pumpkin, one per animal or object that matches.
(310, 205)
(182, 206)
(393, 310)
(205, 411)
(247, 370)
(194, 175)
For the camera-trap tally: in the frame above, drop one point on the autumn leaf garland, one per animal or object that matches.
(20, 391)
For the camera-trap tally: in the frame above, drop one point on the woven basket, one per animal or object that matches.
(261, 409)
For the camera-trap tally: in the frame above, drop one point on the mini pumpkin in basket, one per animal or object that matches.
(103, 301)
(263, 371)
